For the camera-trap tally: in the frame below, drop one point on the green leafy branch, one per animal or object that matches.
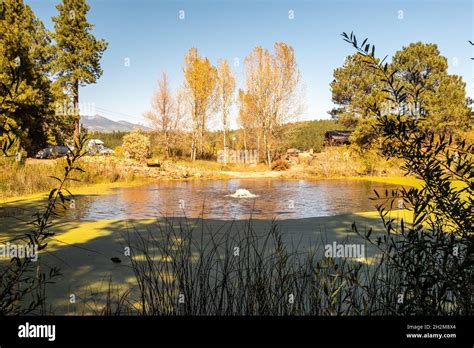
(433, 257)
(19, 278)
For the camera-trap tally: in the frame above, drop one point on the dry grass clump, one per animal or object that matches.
(33, 176)
(348, 161)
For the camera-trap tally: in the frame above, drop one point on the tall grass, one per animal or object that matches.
(214, 166)
(350, 161)
(21, 178)
(181, 270)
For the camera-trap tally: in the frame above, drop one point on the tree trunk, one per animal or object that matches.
(77, 116)
(267, 150)
(245, 144)
(194, 135)
(225, 138)
(202, 137)
(193, 147)
(167, 144)
(258, 147)
(269, 158)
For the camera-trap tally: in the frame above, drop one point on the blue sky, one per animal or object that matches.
(150, 36)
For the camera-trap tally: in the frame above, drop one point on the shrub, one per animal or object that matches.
(433, 256)
(280, 165)
(353, 161)
(365, 134)
(136, 145)
(118, 152)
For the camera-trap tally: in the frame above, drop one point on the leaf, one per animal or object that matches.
(55, 178)
(51, 194)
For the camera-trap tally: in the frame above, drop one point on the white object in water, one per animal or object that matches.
(242, 193)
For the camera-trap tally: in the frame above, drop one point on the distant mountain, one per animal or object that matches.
(102, 124)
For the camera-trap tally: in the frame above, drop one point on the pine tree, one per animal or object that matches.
(78, 52)
(26, 99)
(356, 89)
(443, 98)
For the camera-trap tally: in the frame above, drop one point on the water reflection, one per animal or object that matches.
(285, 199)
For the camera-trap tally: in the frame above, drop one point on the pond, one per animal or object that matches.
(216, 199)
(308, 214)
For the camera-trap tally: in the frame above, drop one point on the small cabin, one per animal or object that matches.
(337, 137)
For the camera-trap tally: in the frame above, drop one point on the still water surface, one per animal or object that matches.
(282, 199)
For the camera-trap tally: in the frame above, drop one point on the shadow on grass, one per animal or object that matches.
(84, 250)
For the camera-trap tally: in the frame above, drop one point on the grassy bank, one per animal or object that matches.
(83, 249)
(34, 178)
(273, 271)
(78, 189)
(393, 180)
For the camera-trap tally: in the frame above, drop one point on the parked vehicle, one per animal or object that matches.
(53, 152)
(97, 147)
(105, 151)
